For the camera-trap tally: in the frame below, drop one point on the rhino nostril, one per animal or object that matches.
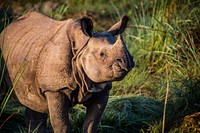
(119, 60)
(121, 65)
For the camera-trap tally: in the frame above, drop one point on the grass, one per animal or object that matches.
(159, 33)
(155, 41)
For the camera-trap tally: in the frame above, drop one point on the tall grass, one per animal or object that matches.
(6, 89)
(3, 69)
(159, 33)
(156, 37)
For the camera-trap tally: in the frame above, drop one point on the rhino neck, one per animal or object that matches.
(86, 86)
(78, 44)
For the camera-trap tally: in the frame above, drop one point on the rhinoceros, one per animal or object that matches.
(55, 65)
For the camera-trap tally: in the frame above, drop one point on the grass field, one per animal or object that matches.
(164, 86)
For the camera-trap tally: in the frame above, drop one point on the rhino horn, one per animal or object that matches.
(124, 59)
(119, 42)
(119, 27)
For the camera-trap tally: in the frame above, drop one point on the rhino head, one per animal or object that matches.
(105, 57)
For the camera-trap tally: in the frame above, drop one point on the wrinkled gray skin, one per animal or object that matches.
(63, 63)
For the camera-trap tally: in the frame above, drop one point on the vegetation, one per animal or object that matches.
(164, 38)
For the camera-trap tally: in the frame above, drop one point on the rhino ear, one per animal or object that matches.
(119, 27)
(87, 26)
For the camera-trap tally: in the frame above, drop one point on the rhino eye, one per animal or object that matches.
(103, 54)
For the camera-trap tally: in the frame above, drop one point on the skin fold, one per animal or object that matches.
(61, 64)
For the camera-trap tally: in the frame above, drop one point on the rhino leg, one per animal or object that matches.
(36, 121)
(58, 111)
(94, 111)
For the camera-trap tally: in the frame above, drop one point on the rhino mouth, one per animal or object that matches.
(119, 70)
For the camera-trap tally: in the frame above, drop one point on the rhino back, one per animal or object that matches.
(22, 41)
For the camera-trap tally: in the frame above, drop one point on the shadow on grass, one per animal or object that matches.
(130, 114)
(126, 114)
(123, 114)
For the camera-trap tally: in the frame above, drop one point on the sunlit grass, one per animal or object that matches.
(159, 33)
(155, 39)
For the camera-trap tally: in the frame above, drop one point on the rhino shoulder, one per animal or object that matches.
(54, 68)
